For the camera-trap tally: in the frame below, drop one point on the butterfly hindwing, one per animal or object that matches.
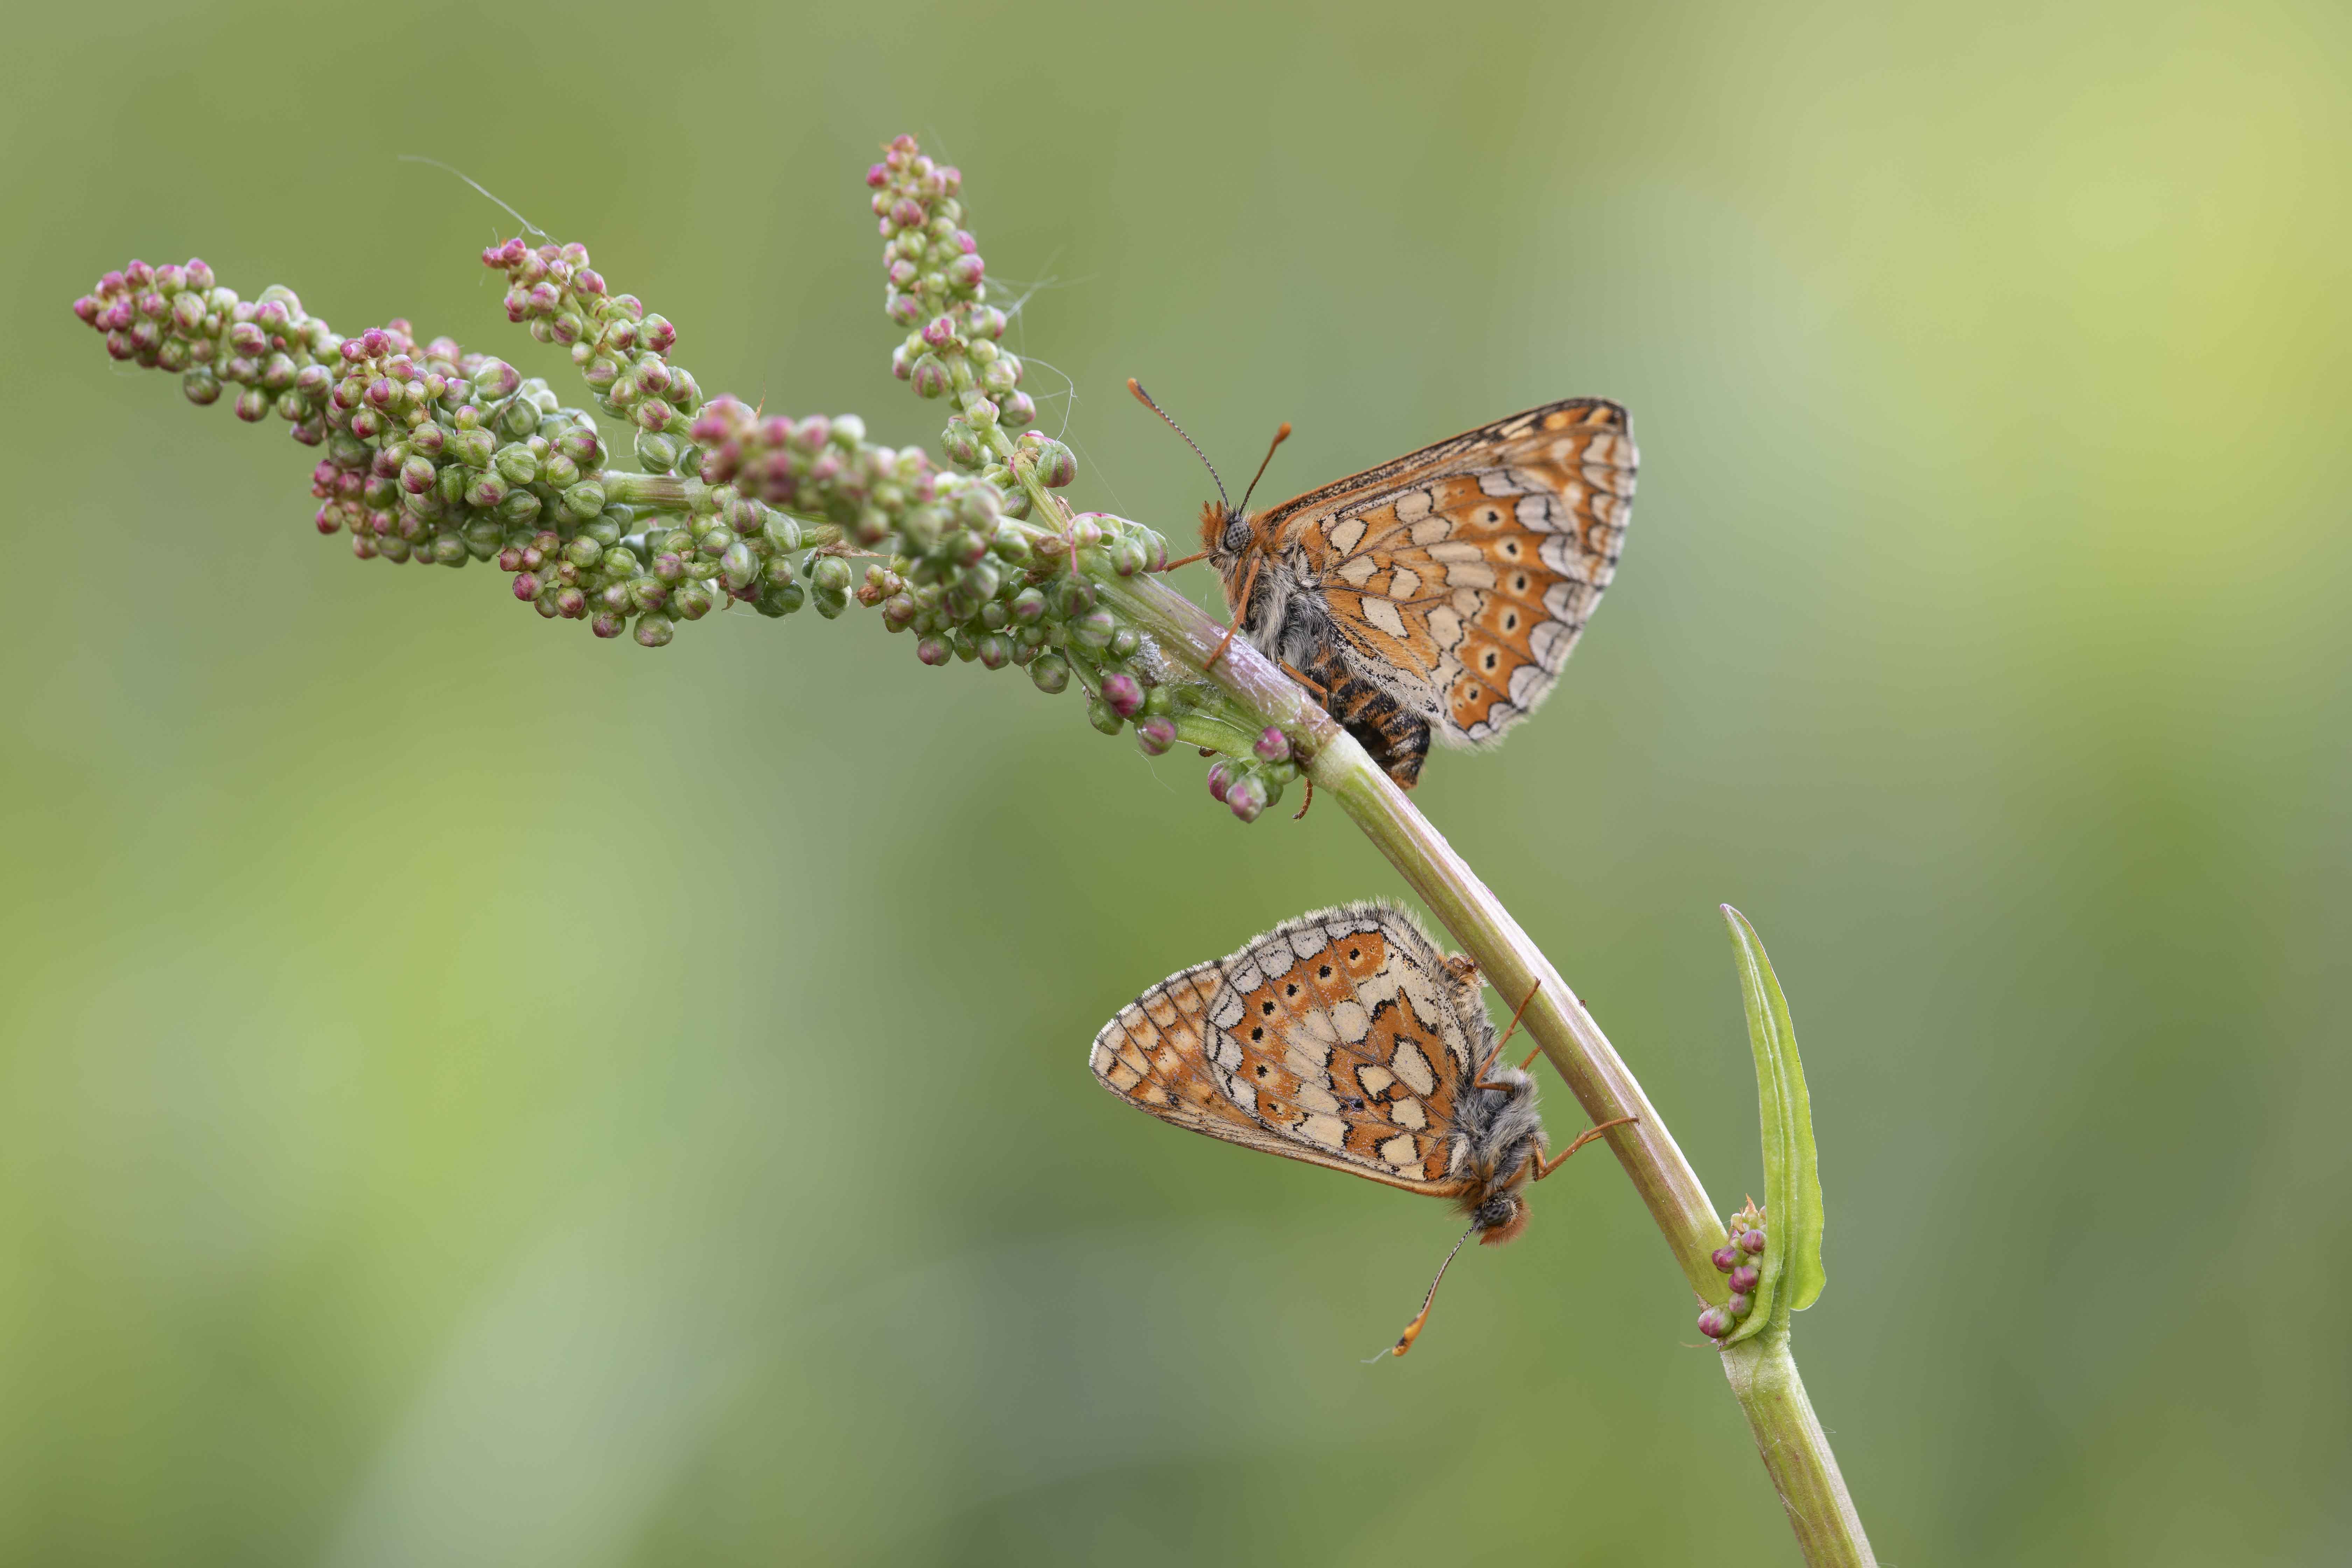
(1342, 1038)
(1461, 575)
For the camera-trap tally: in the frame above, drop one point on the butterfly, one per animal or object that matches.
(1344, 1038)
(1442, 590)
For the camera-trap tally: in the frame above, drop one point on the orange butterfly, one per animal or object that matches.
(1442, 590)
(1344, 1038)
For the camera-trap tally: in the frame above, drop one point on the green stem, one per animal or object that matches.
(1763, 1378)
(1795, 1451)
(662, 492)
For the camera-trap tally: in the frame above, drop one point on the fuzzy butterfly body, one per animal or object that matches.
(1439, 593)
(1343, 1039)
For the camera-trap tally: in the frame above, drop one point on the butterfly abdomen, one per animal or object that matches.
(1397, 738)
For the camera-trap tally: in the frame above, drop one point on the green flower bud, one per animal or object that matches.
(658, 453)
(517, 463)
(1051, 673)
(738, 566)
(1049, 461)
(961, 446)
(980, 581)
(472, 448)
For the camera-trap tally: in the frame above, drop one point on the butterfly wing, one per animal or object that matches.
(1461, 574)
(1341, 1038)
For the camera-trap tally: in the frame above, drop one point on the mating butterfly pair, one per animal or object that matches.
(1343, 1039)
(1441, 592)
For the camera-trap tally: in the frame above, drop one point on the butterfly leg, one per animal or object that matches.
(1248, 582)
(1488, 1066)
(1546, 1167)
(1320, 690)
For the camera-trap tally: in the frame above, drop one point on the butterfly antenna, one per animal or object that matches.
(1412, 1330)
(1279, 437)
(1144, 397)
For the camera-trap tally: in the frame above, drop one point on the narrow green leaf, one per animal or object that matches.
(1793, 1276)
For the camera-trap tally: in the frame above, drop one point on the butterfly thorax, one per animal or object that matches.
(1507, 1138)
(1286, 617)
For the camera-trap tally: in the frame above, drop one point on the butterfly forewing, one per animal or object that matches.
(1461, 574)
(1341, 1038)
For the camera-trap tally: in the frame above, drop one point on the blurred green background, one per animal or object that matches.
(470, 1094)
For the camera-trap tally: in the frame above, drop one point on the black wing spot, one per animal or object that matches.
(1489, 660)
(1261, 1070)
(1519, 584)
(1511, 621)
(1324, 972)
(1354, 954)
(1511, 548)
(1291, 989)
(1268, 1008)
(1256, 1034)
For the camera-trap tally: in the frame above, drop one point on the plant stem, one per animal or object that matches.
(1795, 1451)
(1762, 1373)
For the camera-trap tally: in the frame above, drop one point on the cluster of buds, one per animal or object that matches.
(976, 585)
(1737, 1257)
(936, 288)
(620, 351)
(999, 584)
(433, 454)
(177, 318)
(822, 468)
(1247, 785)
